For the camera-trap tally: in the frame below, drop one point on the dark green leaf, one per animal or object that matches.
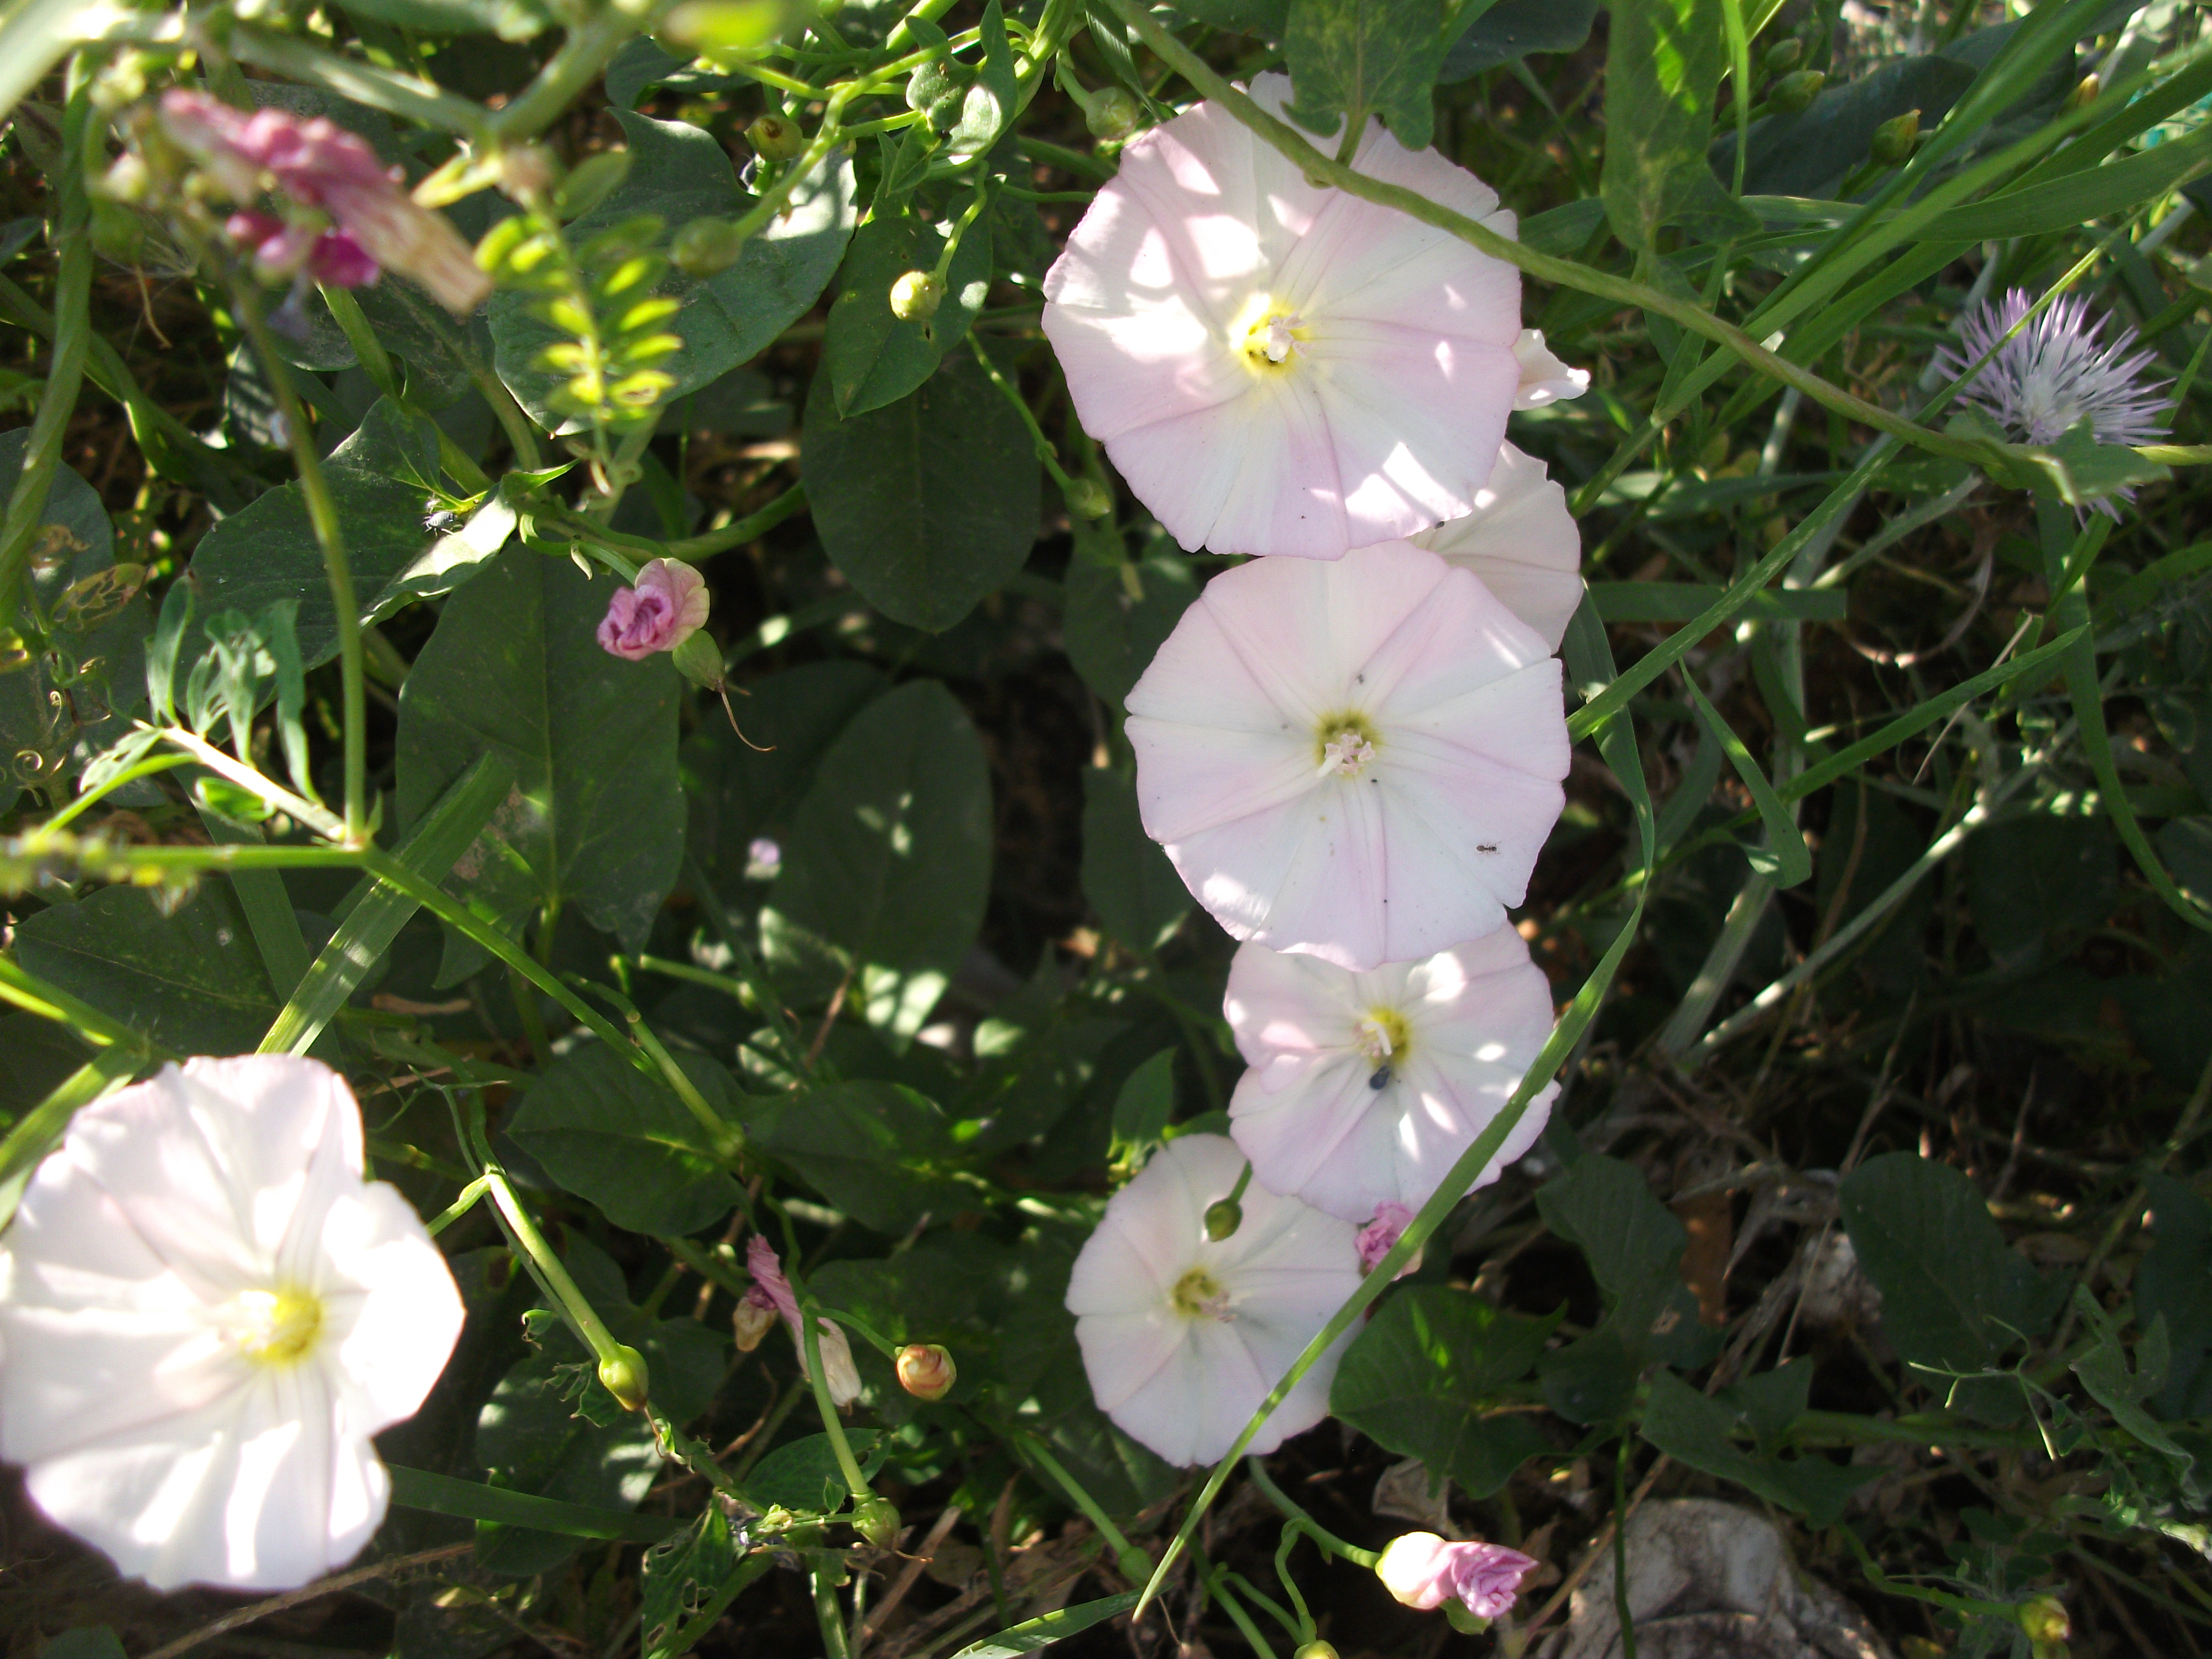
(926, 504)
(1808, 153)
(1126, 878)
(1362, 58)
(1145, 1105)
(531, 1439)
(1954, 1297)
(596, 817)
(1663, 59)
(472, 1500)
(872, 358)
(1118, 613)
(870, 1148)
(1421, 1381)
(609, 1134)
(804, 1475)
(678, 173)
(990, 100)
(1514, 29)
(1693, 1430)
(690, 1578)
(85, 1642)
(191, 982)
(2174, 1284)
(2034, 878)
(2186, 844)
(890, 853)
(1267, 18)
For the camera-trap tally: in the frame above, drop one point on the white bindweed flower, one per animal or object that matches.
(1521, 541)
(1544, 378)
(1279, 368)
(1358, 759)
(207, 1312)
(1183, 1336)
(1363, 1090)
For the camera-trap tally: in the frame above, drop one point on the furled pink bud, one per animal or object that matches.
(666, 608)
(926, 1371)
(319, 164)
(1423, 1570)
(1380, 1236)
(837, 1369)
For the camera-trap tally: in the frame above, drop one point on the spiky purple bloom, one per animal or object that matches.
(2057, 373)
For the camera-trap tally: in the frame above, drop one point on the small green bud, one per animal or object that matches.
(1894, 139)
(1796, 91)
(775, 138)
(1315, 1650)
(916, 297)
(1112, 115)
(926, 1371)
(624, 1374)
(699, 660)
(706, 247)
(877, 1520)
(1222, 1218)
(1783, 56)
(2043, 1618)
(1088, 499)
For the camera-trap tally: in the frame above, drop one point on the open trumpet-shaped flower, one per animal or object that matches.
(1521, 541)
(1360, 760)
(207, 1312)
(1279, 368)
(1183, 1335)
(1364, 1088)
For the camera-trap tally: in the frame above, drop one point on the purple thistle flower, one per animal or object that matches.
(2055, 374)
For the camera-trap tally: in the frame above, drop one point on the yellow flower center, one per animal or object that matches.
(1382, 1035)
(1267, 335)
(1199, 1295)
(1344, 744)
(276, 1328)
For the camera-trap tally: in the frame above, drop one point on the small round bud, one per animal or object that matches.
(775, 138)
(1222, 1218)
(1315, 1650)
(624, 1374)
(1796, 91)
(1894, 139)
(916, 297)
(2043, 1619)
(1783, 56)
(1112, 115)
(938, 92)
(706, 247)
(877, 1520)
(926, 1371)
(1088, 499)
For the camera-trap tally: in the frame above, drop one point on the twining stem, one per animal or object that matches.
(42, 449)
(1257, 1472)
(330, 536)
(1136, 1566)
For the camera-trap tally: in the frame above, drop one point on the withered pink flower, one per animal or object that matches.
(279, 250)
(667, 607)
(319, 164)
(1423, 1571)
(1380, 1236)
(768, 1280)
(1279, 367)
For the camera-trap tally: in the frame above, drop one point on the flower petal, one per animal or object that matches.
(1521, 542)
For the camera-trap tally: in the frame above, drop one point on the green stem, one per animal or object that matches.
(577, 63)
(1329, 1540)
(460, 1206)
(809, 1330)
(1046, 452)
(330, 536)
(129, 775)
(409, 97)
(1136, 1566)
(42, 450)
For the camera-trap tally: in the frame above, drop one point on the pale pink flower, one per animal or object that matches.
(1360, 760)
(1279, 368)
(1423, 1571)
(770, 1285)
(207, 1312)
(1521, 541)
(1380, 1236)
(1183, 1335)
(319, 164)
(667, 607)
(1363, 1089)
(1544, 378)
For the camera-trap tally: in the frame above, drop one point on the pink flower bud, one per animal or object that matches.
(1423, 1570)
(754, 1318)
(666, 608)
(768, 1280)
(926, 1371)
(1380, 1236)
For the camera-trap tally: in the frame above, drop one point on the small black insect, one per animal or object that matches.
(1486, 846)
(1379, 1079)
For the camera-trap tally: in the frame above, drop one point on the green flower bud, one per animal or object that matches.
(916, 297)
(624, 1374)
(705, 248)
(1894, 139)
(775, 138)
(926, 1371)
(1112, 114)
(1796, 91)
(1088, 499)
(1222, 1218)
(699, 660)
(2043, 1618)
(876, 1520)
(1315, 1650)
(1783, 56)
(937, 90)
